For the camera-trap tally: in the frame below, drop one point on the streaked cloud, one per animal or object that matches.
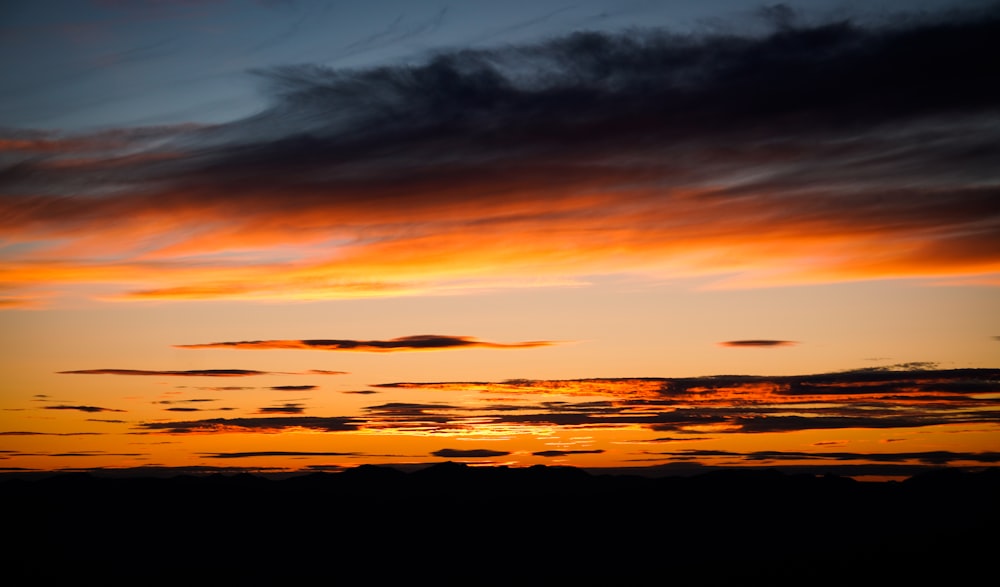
(473, 453)
(563, 453)
(940, 457)
(94, 453)
(198, 373)
(264, 424)
(405, 343)
(29, 433)
(286, 408)
(90, 409)
(191, 373)
(818, 152)
(710, 406)
(757, 343)
(275, 453)
(686, 408)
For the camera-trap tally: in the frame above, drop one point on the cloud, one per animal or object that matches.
(91, 409)
(286, 408)
(199, 373)
(405, 343)
(27, 433)
(476, 453)
(563, 453)
(821, 152)
(191, 409)
(941, 457)
(759, 343)
(94, 453)
(293, 387)
(274, 453)
(191, 373)
(241, 425)
(707, 407)
(666, 439)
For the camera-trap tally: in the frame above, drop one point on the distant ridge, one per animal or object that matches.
(501, 526)
(870, 471)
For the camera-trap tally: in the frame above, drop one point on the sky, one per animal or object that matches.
(295, 235)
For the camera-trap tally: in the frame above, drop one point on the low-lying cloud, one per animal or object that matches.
(190, 373)
(469, 453)
(89, 409)
(286, 408)
(198, 373)
(405, 343)
(683, 408)
(757, 343)
(274, 453)
(264, 424)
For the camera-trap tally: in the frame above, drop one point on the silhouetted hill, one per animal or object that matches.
(459, 525)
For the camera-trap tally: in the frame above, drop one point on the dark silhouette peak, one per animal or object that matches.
(447, 468)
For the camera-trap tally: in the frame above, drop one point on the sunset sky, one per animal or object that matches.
(295, 235)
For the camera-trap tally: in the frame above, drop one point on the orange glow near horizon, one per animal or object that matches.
(231, 253)
(588, 423)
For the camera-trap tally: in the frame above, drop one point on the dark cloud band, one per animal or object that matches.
(192, 373)
(474, 453)
(687, 408)
(757, 343)
(89, 409)
(406, 343)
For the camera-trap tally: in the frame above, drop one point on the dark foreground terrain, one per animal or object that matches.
(456, 525)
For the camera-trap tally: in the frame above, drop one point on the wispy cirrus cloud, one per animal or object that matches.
(782, 158)
(405, 343)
